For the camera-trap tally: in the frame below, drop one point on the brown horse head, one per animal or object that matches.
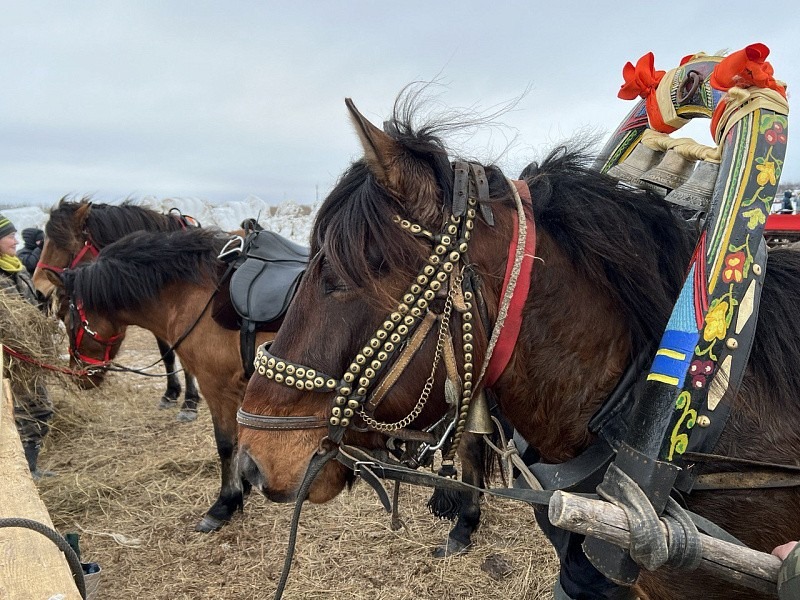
(93, 338)
(65, 237)
(380, 305)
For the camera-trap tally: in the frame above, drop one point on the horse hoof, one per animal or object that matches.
(209, 524)
(450, 548)
(167, 403)
(186, 415)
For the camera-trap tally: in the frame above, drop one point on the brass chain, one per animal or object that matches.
(444, 327)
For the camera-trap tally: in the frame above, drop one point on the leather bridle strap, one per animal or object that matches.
(88, 247)
(391, 377)
(267, 423)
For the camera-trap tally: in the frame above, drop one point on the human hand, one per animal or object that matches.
(783, 550)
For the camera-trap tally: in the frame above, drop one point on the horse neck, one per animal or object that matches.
(572, 349)
(172, 312)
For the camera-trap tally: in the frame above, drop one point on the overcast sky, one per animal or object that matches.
(221, 100)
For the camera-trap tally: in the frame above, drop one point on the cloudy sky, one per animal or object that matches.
(221, 100)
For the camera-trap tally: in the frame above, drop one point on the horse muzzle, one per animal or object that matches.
(252, 472)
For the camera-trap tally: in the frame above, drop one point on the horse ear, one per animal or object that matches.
(81, 214)
(380, 150)
(395, 168)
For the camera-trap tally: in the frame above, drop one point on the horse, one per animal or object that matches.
(609, 263)
(75, 232)
(173, 284)
(107, 315)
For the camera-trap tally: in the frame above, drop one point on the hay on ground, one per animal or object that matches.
(133, 482)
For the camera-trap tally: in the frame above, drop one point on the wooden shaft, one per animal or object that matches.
(603, 520)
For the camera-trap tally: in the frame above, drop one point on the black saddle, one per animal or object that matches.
(264, 282)
(267, 273)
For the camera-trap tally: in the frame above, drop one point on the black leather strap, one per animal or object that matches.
(460, 188)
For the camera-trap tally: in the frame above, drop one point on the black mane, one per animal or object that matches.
(106, 223)
(354, 226)
(628, 241)
(133, 271)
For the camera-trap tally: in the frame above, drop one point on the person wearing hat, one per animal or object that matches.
(787, 203)
(33, 240)
(32, 407)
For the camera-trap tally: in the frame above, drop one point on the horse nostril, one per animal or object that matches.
(250, 471)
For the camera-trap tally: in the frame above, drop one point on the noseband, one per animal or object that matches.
(388, 351)
(80, 328)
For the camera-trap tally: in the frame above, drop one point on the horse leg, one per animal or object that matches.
(233, 488)
(170, 397)
(463, 505)
(190, 400)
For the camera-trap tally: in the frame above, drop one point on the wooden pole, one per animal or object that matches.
(31, 566)
(603, 520)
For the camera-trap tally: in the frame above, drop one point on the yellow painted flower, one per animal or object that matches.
(766, 173)
(716, 325)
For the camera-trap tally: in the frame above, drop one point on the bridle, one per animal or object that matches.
(391, 347)
(80, 328)
(389, 350)
(87, 248)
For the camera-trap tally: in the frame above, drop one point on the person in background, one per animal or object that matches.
(787, 208)
(33, 240)
(32, 407)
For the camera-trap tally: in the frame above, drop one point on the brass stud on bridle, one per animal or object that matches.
(449, 248)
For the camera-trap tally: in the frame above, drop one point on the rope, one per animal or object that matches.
(43, 365)
(511, 455)
(55, 537)
(686, 147)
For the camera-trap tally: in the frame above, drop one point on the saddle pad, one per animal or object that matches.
(263, 285)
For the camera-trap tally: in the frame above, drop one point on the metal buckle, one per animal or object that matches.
(366, 463)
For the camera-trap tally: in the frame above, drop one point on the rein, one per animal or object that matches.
(109, 343)
(43, 365)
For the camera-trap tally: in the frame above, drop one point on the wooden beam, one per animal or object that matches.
(603, 520)
(31, 566)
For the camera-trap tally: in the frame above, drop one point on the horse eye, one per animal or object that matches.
(331, 283)
(332, 286)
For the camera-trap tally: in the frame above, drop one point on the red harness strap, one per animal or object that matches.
(510, 332)
(88, 248)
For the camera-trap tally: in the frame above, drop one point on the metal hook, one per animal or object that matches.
(235, 245)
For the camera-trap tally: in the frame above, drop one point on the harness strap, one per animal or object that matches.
(402, 361)
(518, 274)
(279, 423)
